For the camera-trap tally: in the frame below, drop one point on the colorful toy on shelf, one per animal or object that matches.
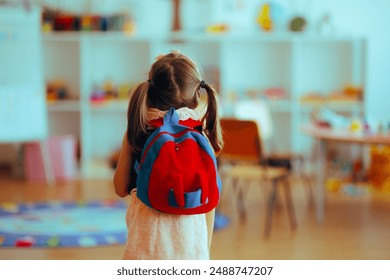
(271, 93)
(104, 23)
(264, 18)
(86, 23)
(339, 96)
(298, 24)
(51, 95)
(217, 28)
(124, 90)
(349, 93)
(354, 92)
(109, 90)
(63, 22)
(356, 126)
(115, 23)
(56, 90)
(47, 26)
(97, 96)
(53, 19)
(275, 93)
(128, 24)
(312, 97)
(48, 16)
(96, 23)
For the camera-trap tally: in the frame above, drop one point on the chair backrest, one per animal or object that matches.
(242, 141)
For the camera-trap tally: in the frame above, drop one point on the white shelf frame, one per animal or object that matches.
(292, 107)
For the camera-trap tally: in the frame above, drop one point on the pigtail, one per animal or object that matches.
(137, 116)
(211, 119)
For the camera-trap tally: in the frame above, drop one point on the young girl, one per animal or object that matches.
(174, 82)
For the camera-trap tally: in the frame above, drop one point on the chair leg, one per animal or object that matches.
(309, 191)
(241, 204)
(278, 204)
(289, 202)
(270, 208)
(240, 198)
(306, 180)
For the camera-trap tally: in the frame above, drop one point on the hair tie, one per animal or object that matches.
(203, 84)
(151, 83)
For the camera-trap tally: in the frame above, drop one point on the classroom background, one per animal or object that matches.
(305, 82)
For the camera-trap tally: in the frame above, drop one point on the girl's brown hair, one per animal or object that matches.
(174, 81)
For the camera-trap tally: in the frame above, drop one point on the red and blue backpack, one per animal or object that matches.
(177, 173)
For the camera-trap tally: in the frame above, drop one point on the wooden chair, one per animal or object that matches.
(241, 162)
(259, 111)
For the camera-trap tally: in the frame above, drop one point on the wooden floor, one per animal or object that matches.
(354, 227)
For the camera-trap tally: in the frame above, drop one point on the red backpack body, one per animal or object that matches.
(178, 170)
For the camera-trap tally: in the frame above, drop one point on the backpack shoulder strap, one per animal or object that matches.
(171, 117)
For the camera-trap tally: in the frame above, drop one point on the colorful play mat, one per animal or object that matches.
(68, 224)
(63, 224)
(221, 221)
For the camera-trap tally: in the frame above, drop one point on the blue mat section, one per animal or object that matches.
(68, 224)
(221, 221)
(63, 224)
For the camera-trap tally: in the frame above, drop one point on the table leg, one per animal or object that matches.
(320, 191)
